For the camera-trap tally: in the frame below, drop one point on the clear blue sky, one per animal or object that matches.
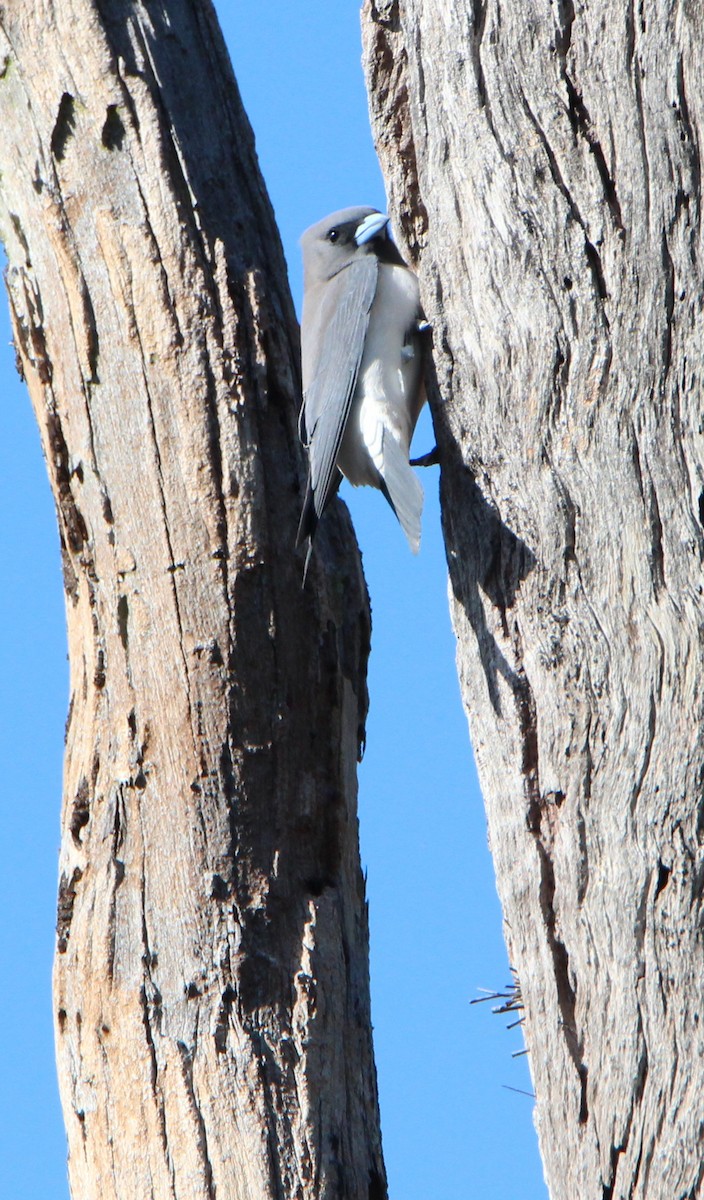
(453, 1127)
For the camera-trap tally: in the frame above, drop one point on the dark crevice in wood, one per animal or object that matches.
(637, 791)
(669, 273)
(107, 507)
(69, 716)
(597, 270)
(528, 726)
(560, 377)
(74, 524)
(689, 136)
(219, 888)
(636, 71)
(90, 329)
(635, 458)
(643, 1067)
(271, 1088)
(151, 1007)
(537, 808)
(565, 16)
(568, 512)
(479, 22)
(581, 123)
(657, 556)
(119, 822)
(80, 811)
(617, 1151)
(122, 621)
(583, 859)
(696, 1192)
(116, 873)
(113, 133)
(478, 26)
(19, 234)
(68, 885)
(664, 873)
(636, 1172)
(630, 31)
(64, 127)
(641, 15)
(607, 1190)
(386, 14)
(80, 1114)
(99, 676)
(31, 343)
(222, 1025)
(186, 1060)
(590, 250)
(222, 471)
(566, 995)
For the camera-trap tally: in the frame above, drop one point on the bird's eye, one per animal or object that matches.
(333, 235)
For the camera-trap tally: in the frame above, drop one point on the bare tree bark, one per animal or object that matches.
(543, 160)
(211, 977)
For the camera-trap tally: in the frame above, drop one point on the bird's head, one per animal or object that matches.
(333, 243)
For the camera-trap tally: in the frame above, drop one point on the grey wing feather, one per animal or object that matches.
(349, 298)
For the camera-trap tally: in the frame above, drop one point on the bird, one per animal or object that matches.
(362, 367)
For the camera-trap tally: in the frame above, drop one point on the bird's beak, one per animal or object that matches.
(370, 228)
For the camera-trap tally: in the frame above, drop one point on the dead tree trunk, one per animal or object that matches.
(211, 979)
(543, 160)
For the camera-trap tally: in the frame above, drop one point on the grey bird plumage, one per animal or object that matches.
(361, 344)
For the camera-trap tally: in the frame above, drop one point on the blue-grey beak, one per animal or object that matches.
(370, 227)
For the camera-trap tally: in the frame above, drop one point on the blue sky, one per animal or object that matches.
(452, 1124)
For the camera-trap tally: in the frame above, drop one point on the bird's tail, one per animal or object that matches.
(307, 527)
(309, 518)
(402, 489)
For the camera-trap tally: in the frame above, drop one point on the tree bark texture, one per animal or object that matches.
(211, 977)
(543, 162)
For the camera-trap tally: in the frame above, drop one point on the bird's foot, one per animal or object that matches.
(431, 459)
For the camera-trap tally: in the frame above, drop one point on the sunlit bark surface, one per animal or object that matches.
(211, 979)
(543, 164)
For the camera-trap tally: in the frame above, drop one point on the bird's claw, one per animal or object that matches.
(431, 459)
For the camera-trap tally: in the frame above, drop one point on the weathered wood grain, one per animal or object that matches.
(211, 978)
(544, 164)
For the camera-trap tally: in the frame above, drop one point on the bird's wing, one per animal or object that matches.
(349, 296)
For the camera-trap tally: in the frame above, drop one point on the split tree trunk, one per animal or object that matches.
(211, 981)
(544, 162)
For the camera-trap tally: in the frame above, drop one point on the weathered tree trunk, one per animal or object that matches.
(543, 161)
(211, 981)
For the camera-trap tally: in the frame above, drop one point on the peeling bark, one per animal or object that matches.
(543, 163)
(211, 977)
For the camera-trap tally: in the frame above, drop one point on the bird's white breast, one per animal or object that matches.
(388, 395)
